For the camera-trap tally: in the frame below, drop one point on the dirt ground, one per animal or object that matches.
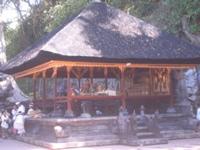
(187, 144)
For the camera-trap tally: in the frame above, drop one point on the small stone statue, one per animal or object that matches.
(157, 114)
(85, 110)
(142, 114)
(123, 123)
(142, 110)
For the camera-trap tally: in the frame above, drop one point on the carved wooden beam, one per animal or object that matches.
(52, 64)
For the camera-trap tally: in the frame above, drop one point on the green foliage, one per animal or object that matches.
(63, 9)
(47, 15)
(44, 17)
(179, 8)
(143, 8)
(12, 42)
(26, 84)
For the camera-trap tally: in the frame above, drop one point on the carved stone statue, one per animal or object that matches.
(85, 110)
(186, 89)
(123, 121)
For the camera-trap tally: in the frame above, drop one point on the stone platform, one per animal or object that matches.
(66, 133)
(81, 132)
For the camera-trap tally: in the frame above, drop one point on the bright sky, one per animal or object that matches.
(10, 14)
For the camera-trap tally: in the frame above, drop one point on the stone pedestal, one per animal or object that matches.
(69, 114)
(68, 133)
(171, 109)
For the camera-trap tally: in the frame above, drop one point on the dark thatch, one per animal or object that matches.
(103, 33)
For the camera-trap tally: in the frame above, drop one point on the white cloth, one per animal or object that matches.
(198, 114)
(19, 124)
(21, 109)
(4, 121)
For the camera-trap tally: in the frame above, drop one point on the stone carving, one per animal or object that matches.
(61, 132)
(133, 124)
(187, 90)
(85, 109)
(123, 123)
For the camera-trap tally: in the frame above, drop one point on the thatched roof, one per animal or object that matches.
(103, 33)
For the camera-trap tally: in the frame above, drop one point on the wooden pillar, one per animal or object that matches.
(122, 87)
(34, 87)
(69, 96)
(106, 77)
(79, 78)
(171, 88)
(55, 87)
(54, 75)
(91, 75)
(44, 84)
(150, 82)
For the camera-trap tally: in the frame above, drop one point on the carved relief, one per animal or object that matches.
(160, 81)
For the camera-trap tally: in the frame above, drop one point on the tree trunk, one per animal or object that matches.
(8, 87)
(2, 40)
(193, 38)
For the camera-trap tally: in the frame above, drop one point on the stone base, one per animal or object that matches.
(69, 114)
(144, 142)
(85, 115)
(180, 134)
(81, 132)
(171, 110)
(63, 145)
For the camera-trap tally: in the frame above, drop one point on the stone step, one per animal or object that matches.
(74, 144)
(81, 138)
(91, 132)
(143, 142)
(141, 135)
(141, 128)
(180, 134)
(91, 128)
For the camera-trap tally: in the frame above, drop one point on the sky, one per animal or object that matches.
(11, 16)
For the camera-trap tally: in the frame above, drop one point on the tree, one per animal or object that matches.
(8, 86)
(2, 40)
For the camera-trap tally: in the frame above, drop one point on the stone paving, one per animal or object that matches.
(187, 144)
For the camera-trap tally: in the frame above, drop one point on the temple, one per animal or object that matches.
(106, 58)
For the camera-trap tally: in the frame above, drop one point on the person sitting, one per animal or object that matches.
(14, 112)
(74, 90)
(31, 110)
(85, 89)
(5, 124)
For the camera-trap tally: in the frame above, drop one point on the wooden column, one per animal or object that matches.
(150, 81)
(91, 75)
(79, 78)
(54, 75)
(44, 84)
(69, 96)
(122, 87)
(171, 88)
(34, 87)
(106, 77)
